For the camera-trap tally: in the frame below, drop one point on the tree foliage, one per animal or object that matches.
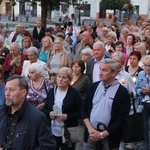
(46, 5)
(113, 4)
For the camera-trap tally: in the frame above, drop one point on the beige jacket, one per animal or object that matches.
(65, 59)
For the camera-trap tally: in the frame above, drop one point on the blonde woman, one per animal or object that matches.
(142, 49)
(47, 45)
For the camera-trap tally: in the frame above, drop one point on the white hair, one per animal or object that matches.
(87, 51)
(36, 67)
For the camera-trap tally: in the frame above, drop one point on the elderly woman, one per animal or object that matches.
(123, 37)
(26, 43)
(130, 44)
(143, 90)
(14, 61)
(59, 58)
(32, 54)
(38, 86)
(63, 106)
(123, 77)
(47, 45)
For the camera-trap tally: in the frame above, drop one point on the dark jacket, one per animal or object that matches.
(32, 129)
(90, 67)
(119, 113)
(40, 35)
(71, 106)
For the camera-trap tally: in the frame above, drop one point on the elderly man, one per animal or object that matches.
(85, 39)
(22, 126)
(92, 68)
(104, 110)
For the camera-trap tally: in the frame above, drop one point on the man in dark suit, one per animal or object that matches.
(92, 68)
(38, 31)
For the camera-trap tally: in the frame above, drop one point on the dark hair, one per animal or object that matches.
(57, 24)
(22, 83)
(49, 30)
(69, 23)
(137, 54)
(80, 63)
(133, 38)
(119, 43)
(89, 44)
(36, 43)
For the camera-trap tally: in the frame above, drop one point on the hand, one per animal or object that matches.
(51, 72)
(95, 136)
(12, 63)
(62, 117)
(52, 115)
(145, 90)
(40, 106)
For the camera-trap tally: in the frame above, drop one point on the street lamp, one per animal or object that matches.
(13, 3)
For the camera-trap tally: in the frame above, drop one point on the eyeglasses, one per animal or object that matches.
(25, 41)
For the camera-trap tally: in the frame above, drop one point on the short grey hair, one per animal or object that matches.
(34, 50)
(66, 70)
(112, 34)
(14, 44)
(146, 59)
(36, 67)
(120, 55)
(87, 51)
(100, 44)
(113, 64)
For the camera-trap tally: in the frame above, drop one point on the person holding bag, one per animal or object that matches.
(62, 107)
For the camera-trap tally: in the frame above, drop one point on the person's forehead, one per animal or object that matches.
(12, 83)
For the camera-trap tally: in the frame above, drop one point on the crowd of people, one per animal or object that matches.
(74, 77)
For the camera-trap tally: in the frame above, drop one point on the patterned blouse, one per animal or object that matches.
(37, 95)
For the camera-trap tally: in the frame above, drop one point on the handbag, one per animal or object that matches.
(133, 128)
(70, 133)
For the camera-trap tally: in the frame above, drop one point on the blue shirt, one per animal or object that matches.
(43, 56)
(2, 94)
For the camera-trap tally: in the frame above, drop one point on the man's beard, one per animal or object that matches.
(10, 103)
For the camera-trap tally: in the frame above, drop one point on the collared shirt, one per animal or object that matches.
(102, 103)
(96, 70)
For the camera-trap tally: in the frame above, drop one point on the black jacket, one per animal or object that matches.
(119, 112)
(32, 129)
(71, 106)
(40, 35)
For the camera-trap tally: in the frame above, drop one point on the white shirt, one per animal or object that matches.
(57, 124)
(129, 84)
(96, 70)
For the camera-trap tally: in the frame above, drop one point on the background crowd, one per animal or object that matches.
(60, 64)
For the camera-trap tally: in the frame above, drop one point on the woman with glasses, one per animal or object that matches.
(62, 106)
(26, 43)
